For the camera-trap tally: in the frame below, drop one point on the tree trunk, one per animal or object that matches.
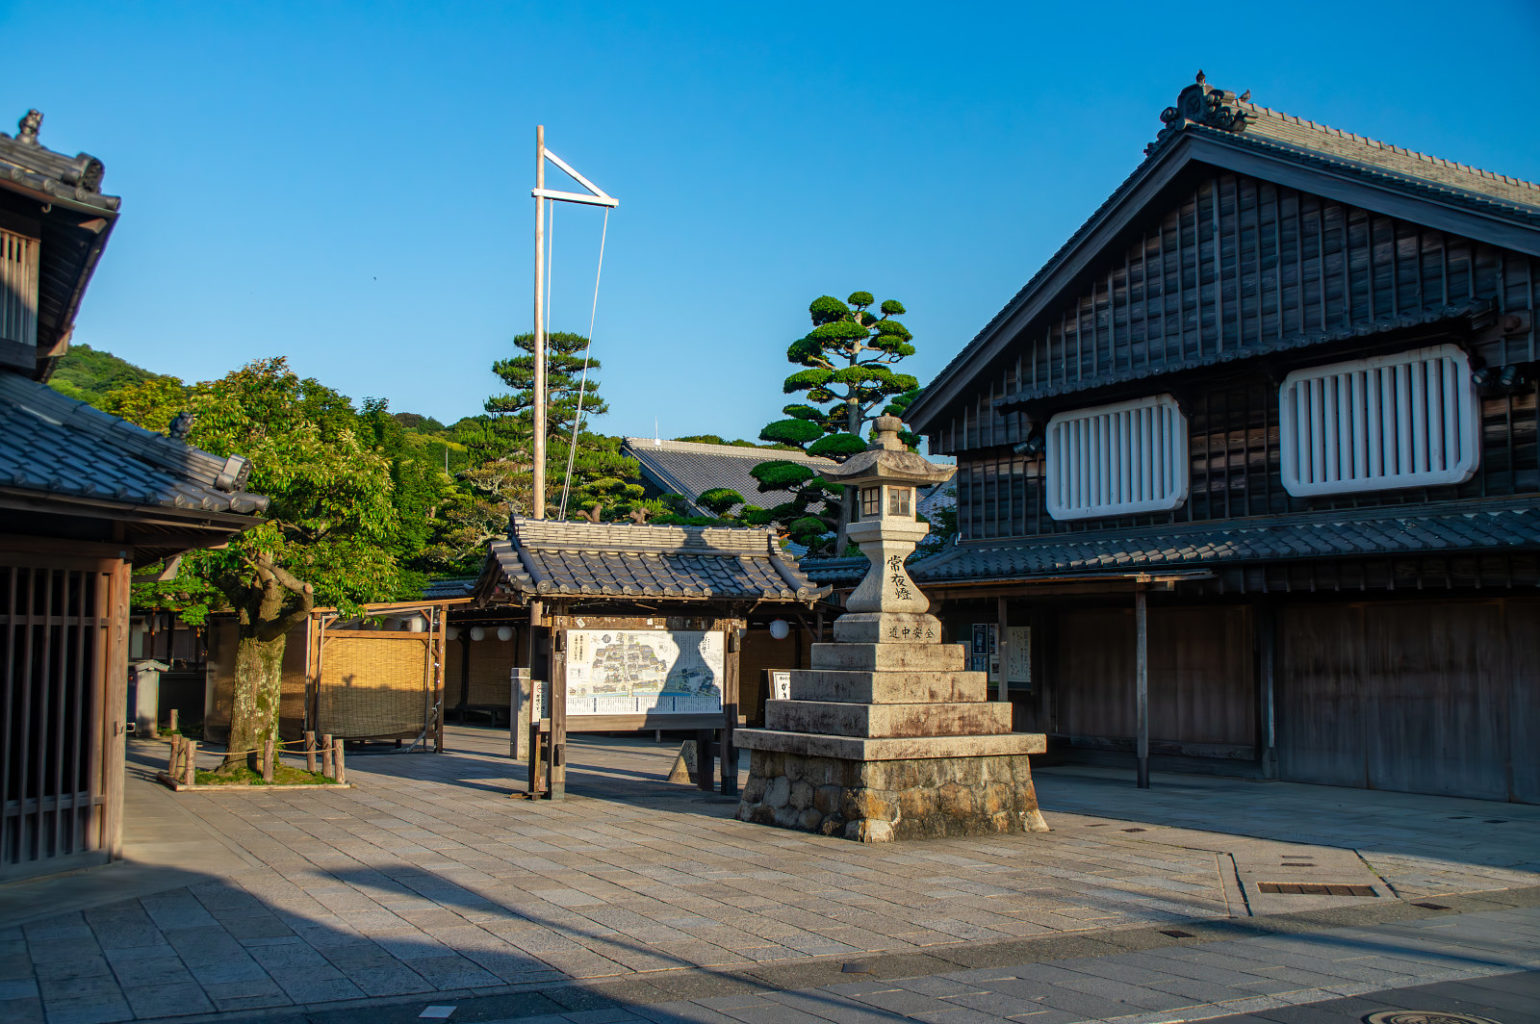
(847, 504)
(267, 611)
(254, 705)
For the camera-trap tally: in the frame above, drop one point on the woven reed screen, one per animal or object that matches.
(375, 687)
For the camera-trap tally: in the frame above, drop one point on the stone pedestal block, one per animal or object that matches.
(880, 801)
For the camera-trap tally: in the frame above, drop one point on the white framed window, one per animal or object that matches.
(1405, 420)
(1117, 459)
(18, 288)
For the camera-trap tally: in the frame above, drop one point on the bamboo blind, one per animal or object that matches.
(375, 687)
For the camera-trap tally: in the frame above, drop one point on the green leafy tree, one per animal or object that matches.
(330, 533)
(848, 380)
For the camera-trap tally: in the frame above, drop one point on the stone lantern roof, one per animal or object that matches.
(888, 461)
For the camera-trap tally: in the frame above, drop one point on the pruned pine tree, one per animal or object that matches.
(848, 381)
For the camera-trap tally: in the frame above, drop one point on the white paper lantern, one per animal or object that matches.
(477, 633)
(415, 624)
(505, 633)
(780, 629)
(453, 633)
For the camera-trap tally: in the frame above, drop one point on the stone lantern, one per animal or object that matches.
(886, 736)
(882, 482)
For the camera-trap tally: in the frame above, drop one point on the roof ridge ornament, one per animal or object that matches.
(1204, 105)
(27, 127)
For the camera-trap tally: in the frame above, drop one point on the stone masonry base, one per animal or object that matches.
(879, 801)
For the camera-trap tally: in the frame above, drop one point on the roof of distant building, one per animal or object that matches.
(691, 468)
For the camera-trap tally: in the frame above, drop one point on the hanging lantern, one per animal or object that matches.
(780, 629)
(505, 633)
(452, 633)
(477, 633)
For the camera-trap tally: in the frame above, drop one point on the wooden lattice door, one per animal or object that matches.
(62, 696)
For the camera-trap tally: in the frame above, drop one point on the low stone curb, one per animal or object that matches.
(181, 787)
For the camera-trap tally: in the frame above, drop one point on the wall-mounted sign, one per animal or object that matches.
(780, 684)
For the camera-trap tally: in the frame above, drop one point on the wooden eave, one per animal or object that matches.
(1384, 192)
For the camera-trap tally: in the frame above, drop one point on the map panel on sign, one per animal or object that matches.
(633, 671)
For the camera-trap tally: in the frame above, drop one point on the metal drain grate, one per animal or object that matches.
(1317, 889)
(856, 967)
(1424, 1017)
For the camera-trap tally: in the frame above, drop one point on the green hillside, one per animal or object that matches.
(88, 374)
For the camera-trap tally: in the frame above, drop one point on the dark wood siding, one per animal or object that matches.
(1202, 677)
(1240, 266)
(1233, 468)
(1421, 696)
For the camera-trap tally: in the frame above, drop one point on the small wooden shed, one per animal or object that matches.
(637, 627)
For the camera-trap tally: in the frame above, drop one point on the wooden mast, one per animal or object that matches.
(538, 456)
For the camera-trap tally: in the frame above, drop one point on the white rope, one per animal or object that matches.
(577, 419)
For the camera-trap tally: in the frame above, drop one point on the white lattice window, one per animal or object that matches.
(1407, 420)
(18, 288)
(1117, 459)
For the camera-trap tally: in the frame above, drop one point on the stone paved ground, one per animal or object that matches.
(428, 880)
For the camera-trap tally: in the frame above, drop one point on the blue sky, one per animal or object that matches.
(347, 184)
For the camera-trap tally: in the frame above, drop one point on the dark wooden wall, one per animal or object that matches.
(1420, 696)
(1238, 267)
(1233, 468)
(1202, 677)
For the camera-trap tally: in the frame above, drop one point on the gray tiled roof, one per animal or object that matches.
(1488, 525)
(56, 445)
(456, 586)
(76, 179)
(542, 559)
(1277, 126)
(691, 468)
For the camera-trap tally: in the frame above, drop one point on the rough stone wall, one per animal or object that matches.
(877, 801)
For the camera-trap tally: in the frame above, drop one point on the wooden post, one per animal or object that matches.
(703, 756)
(536, 762)
(190, 771)
(538, 384)
(1267, 655)
(174, 727)
(1142, 685)
(115, 695)
(558, 756)
(309, 750)
(171, 755)
(341, 763)
(326, 756)
(267, 760)
(1002, 649)
(730, 688)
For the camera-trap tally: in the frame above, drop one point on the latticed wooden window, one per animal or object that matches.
(871, 502)
(1406, 420)
(18, 288)
(899, 502)
(1117, 459)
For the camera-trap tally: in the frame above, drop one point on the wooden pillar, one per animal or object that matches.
(703, 755)
(1267, 658)
(1002, 623)
(558, 758)
(730, 669)
(115, 694)
(1142, 685)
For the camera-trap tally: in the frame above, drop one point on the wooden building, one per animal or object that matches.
(1260, 442)
(84, 498)
(645, 627)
